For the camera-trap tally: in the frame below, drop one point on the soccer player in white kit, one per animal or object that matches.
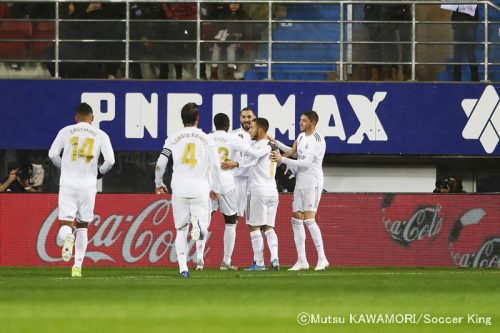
(241, 174)
(228, 146)
(262, 195)
(310, 148)
(81, 145)
(194, 156)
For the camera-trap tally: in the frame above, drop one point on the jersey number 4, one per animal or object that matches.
(83, 151)
(189, 155)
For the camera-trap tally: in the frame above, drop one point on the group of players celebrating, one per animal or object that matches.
(233, 172)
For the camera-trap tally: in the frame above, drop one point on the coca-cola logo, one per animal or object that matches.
(486, 255)
(147, 237)
(425, 222)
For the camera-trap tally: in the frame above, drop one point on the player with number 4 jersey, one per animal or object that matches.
(194, 156)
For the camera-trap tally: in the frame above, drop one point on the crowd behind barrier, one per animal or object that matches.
(280, 40)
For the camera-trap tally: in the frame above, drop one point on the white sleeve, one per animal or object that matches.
(161, 164)
(238, 144)
(299, 163)
(55, 150)
(214, 168)
(282, 146)
(108, 154)
(258, 152)
(247, 162)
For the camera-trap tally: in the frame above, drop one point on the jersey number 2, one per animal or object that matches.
(84, 151)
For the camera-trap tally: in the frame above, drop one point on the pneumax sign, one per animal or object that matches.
(355, 118)
(141, 113)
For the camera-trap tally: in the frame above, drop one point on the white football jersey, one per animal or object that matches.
(82, 145)
(228, 146)
(261, 179)
(238, 157)
(194, 154)
(315, 145)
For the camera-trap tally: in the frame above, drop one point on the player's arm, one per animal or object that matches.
(214, 169)
(304, 163)
(161, 166)
(109, 157)
(55, 150)
(256, 153)
(287, 151)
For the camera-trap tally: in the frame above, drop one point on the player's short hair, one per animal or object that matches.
(247, 109)
(221, 121)
(189, 114)
(311, 115)
(262, 123)
(83, 109)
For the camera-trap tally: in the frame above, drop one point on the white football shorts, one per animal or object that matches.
(307, 199)
(240, 184)
(262, 210)
(228, 203)
(184, 208)
(76, 203)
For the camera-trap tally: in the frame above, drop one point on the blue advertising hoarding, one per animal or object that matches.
(355, 118)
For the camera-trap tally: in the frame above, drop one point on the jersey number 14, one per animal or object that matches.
(83, 151)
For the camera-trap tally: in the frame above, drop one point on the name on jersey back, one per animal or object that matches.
(188, 136)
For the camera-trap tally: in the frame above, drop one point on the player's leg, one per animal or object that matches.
(200, 243)
(255, 218)
(269, 232)
(85, 214)
(240, 184)
(299, 233)
(81, 241)
(312, 203)
(228, 207)
(199, 211)
(180, 209)
(68, 206)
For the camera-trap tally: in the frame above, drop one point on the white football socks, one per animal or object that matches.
(229, 241)
(316, 237)
(200, 249)
(64, 231)
(272, 243)
(81, 242)
(181, 248)
(258, 247)
(299, 236)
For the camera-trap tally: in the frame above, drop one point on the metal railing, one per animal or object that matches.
(285, 37)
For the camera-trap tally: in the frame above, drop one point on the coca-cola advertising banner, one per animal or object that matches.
(358, 230)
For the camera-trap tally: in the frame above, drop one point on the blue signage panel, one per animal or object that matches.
(355, 118)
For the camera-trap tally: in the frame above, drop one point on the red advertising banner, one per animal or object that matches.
(358, 229)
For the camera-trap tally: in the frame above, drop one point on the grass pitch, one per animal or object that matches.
(156, 300)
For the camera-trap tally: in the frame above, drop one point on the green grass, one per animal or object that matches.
(151, 300)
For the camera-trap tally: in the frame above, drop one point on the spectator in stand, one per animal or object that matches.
(145, 29)
(372, 13)
(183, 31)
(396, 30)
(92, 21)
(465, 24)
(228, 33)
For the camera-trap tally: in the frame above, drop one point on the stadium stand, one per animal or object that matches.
(303, 42)
(15, 38)
(493, 50)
